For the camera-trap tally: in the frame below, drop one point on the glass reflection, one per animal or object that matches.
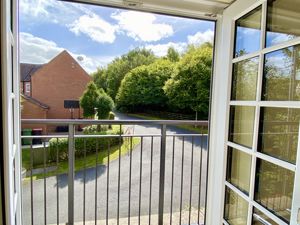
(248, 31)
(282, 21)
(278, 134)
(244, 79)
(260, 218)
(282, 75)
(241, 125)
(236, 208)
(239, 169)
(274, 188)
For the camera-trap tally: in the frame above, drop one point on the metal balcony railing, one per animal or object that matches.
(154, 177)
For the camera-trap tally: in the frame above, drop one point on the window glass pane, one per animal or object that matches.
(282, 75)
(260, 218)
(241, 125)
(278, 133)
(236, 208)
(244, 80)
(239, 169)
(248, 30)
(274, 188)
(283, 21)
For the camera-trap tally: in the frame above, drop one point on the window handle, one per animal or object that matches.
(298, 217)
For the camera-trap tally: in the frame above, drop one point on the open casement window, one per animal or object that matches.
(258, 93)
(10, 106)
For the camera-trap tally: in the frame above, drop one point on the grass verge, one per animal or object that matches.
(80, 163)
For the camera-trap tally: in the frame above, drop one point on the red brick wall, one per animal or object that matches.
(61, 79)
(30, 111)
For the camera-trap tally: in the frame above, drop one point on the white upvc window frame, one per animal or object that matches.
(11, 111)
(220, 116)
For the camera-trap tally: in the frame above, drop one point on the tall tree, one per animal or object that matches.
(100, 78)
(173, 55)
(142, 87)
(104, 105)
(188, 89)
(95, 100)
(117, 70)
(88, 99)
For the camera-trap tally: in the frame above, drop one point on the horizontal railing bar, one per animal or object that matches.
(111, 122)
(110, 136)
(186, 135)
(44, 136)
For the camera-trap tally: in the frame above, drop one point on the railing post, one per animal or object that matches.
(162, 174)
(71, 158)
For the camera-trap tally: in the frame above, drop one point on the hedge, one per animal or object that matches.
(61, 144)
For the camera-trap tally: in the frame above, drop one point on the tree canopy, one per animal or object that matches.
(111, 77)
(139, 81)
(88, 99)
(173, 55)
(100, 78)
(96, 100)
(188, 88)
(142, 87)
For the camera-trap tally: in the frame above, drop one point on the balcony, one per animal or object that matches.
(151, 172)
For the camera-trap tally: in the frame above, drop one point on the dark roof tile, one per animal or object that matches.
(34, 101)
(27, 70)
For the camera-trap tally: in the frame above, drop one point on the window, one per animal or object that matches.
(283, 21)
(27, 88)
(264, 116)
(248, 30)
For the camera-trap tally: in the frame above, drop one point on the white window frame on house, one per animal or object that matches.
(220, 121)
(27, 88)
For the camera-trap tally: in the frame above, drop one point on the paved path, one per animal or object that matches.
(60, 183)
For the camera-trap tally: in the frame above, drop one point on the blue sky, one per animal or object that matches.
(99, 34)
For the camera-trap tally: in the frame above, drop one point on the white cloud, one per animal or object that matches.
(52, 11)
(78, 18)
(142, 26)
(162, 49)
(277, 38)
(38, 50)
(196, 39)
(201, 37)
(96, 28)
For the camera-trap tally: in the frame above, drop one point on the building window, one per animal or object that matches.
(27, 88)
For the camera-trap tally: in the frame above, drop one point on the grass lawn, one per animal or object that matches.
(186, 127)
(80, 163)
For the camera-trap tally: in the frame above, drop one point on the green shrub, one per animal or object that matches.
(84, 144)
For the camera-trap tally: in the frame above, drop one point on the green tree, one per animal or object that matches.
(94, 99)
(117, 69)
(173, 55)
(88, 99)
(100, 78)
(104, 105)
(142, 87)
(188, 89)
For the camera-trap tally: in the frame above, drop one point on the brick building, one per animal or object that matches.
(45, 87)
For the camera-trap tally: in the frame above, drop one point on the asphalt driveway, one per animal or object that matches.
(60, 183)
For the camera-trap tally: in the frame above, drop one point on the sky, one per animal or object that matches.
(95, 35)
